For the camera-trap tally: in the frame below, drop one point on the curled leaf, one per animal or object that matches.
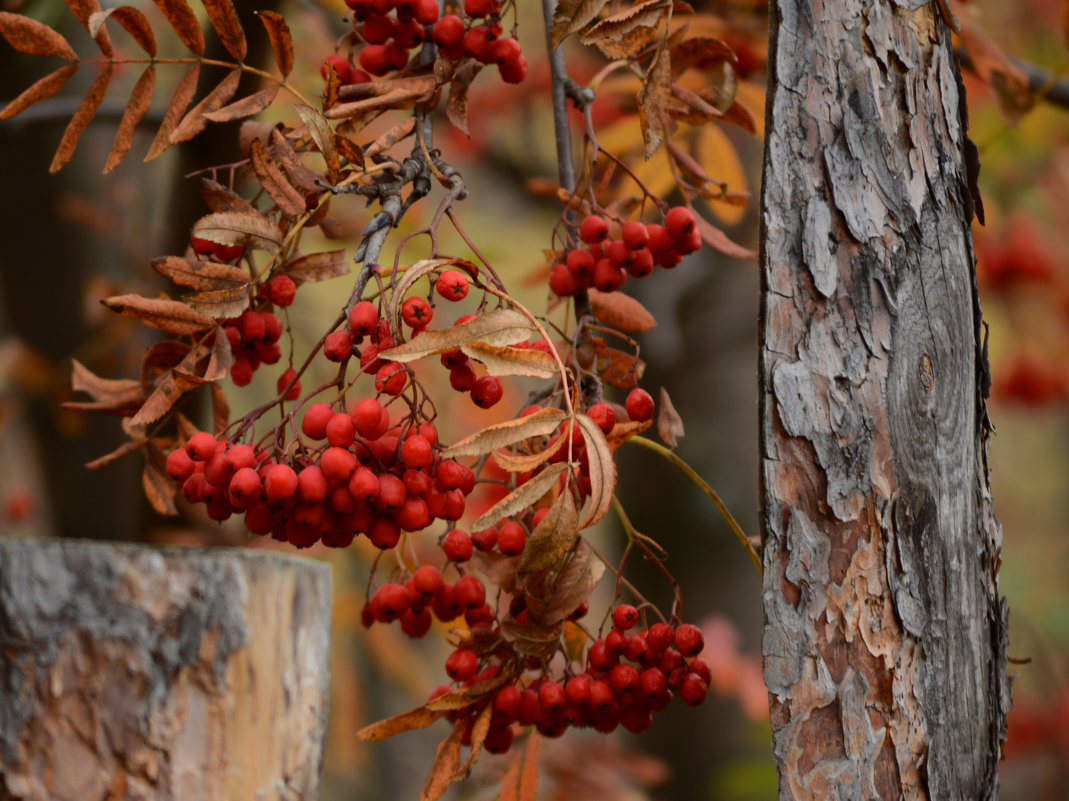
(669, 423)
(27, 35)
(234, 228)
(495, 327)
(553, 537)
(602, 468)
(621, 311)
(505, 360)
(418, 718)
(172, 316)
(501, 435)
(520, 498)
(317, 266)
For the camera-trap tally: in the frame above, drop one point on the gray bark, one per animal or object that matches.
(885, 637)
(143, 673)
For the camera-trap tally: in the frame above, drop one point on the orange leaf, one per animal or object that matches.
(125, 449)
(201, 275)
(278, 33)
(172, 316)
(225, 20)
(622, 432)
(219, 198)
(194, 122)
(41, 90)
(456, 108)
(521, 781)
(602, 470)
(246, 107)
(110, 394)
(82, 117)
(290, 161)
(417, 718)
(621, 311)
(30, 36)
(445, 767)
(136, 106)
(286, 197)
(317, 266)
(495, 327)
(84, 11)
(398, 132)
(175, 109)
(136, 24)
(184, 22)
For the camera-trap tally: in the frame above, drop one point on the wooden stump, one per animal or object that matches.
(130, 672)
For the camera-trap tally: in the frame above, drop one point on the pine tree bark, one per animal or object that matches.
(131, 672)
(885, 636)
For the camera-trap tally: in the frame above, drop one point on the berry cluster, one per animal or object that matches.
(367, 477)
(254, 336)
(628, 676)
(485, 42)
(606, 262)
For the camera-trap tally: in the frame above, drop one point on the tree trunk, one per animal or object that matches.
(885, 637)
(139, 673)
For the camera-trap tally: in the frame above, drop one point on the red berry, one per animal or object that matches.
(689, 640)
(660, 241)
(639, 405)
(244, 488)
(364, 484)
(413, 514)
(341, 65)
(679, 221)
(458, 547)
(505, 51)
(340, 430)
(507, 702)
(408, 34)
(562, 281)
(513, 71)
(391, 378)
(462, 377)
(693, 690)
(426, 11)
(602, 414)
(204, 247)
(281, 290)
(471, 593)
(511, 538)
(593, 229)
(417, 452)
(287, 383)
(623, 679)
(624, 617)
(373, 59)
(580, 263)
(229, 252)
(487, 391)
(577, 690)
(338, 346)
(180, 464)
(427, 581)
(481, 8)
(641, 263)
(280, 484)
(389, 602)
(367, 415)
(551, 697)
(448, 32)
(416, 312)
(384, 532)
(377, 29)
(416, 624)
(659, 637)
(272, 329)
(315, 420)
(634, 234)
(337, 463)
(462, 664)
(364, 318)
(312, 484)
(452, 285)
(201, 446)
(485, 539)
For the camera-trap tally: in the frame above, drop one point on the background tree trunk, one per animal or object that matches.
(885, 638)
(140, 673)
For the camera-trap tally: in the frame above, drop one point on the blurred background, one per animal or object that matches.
(73, 238)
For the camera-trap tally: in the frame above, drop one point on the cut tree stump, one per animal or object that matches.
(133, 672)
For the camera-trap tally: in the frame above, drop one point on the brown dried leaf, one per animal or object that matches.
(136, 24)
(221, 199)
(653, 100)
(478, 736)
(403, 93)
(526, 462)
(602, 469)
(221, 359)
(225, 20)
(621, 311)
(136, 106)
(521, 779)
(233, 228)
(82, 117)
(222, 304)
(466, 696)
(495, 327)
(184, 22)
(697, 111)
(616, 28)
(553, 537)
(170, 387)
(220, 408)
(715, 238)
(278, 33)
(628, 44)
(523, 496)
(504, 360)
(688, 165)
(741, 116)
(290, 161)
(456, 108)
(532, 639)
(571, 16)
(501, 435)
(161, 357)
(669, 423)
(103, 389)
(125, 449)
(194, 122)
(622, 432)
(288, 199)
(175, 109)
(558, 594)
(398, 132)
(350, 150)
(84, 11)
(618, 368)
(702, 52)
(418, 718)
(172, 316)
(323, 135)
(158, 487)
(246, 107)
(27, 35)
(317, 266)
(40, 90)
(445, 767)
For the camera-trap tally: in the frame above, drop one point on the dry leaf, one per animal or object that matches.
(317, 266)
(602, 470)
(288, 199)
(387, 140)
(505, 360)
(625, 33)
(30, 36)
(715, 238)
(234, 228)
(40, 90)
(445, 767)
(456, 108)
(172, 316)
(622, 432)
(571, 16)
(621, 311)
(194, 122)
(669, 423)
(525, 463)
(653, 100)
(323, 136)
(159, 488)
(557, 595)
(136, 106)
(84, 11)
(184, 22)
(82, 117)
(225, 20)
(553, 537)
(187, 87)
(278, 33)
(221, 304)
(520, 498)
(125, 449)
(495, 327)
(417, 718)
(246, 107)
(136, 24)
(501, 435)
(219, 198)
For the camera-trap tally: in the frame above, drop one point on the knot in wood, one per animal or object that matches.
(926, 372)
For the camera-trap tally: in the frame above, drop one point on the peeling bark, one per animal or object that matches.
(885, 637)
(142, 673)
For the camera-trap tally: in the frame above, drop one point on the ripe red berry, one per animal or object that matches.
(338, 346)
(416, 312)
(280, 484)
(602, 414)
(389, 602)
(507, 701)
(287, 383)
(593, 229)
(448, 32)
(384, 532)
(551, 697)
(505, 51)
(679, 221)
(641, 263)
(341, 65)
(244, 488)
(413, 514)
(624, 617)
(366, 416)
(693, 690)
(607, 276)
(364, 484)
(462, 377)
(487, 391)
(513, 71)
(337, 463)
(481, 8)
(417, 452)
(364, 318)
(312, 484)
(203, 247)
(391, 378)
(452, 285)
(580, 263)
(373, 59)
(427, 581)
(462, 664)
(281, 290)
(416, 624)
(201, 446)
(659, 637)
(408, 34)
(377, 29)
(577, 690)
(623, 679)
(634, 234)
(485, 539)
(457, 546)
(471, 593)
(340, 430)
(180, 464)
(689, 640)
(639, 405)
(511, 538)
(660, 241)
(229, 252)
(426, 12)
(314, 425)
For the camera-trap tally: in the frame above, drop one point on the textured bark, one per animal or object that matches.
(885, 637)
(138, 673)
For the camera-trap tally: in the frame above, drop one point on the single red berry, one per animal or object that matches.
(602, 414)
(641, 263)
(340, 64)
(229, 252)
(471, 593)
(563, 282)
(634, 234)
(623, 679)
(408, 34)
(416, 624)
(314, 425)
(340, 430)
(417, 482)
(287, 383)
(499, 740)
(693, 690)
(373, 59)
(615, 642)
(513, 71)
(416, 312)
(689, 640)
(452, 285)
(659, 637)
(389, 602)
(511, 538)
(635, 717)
(312, 484)
(417, 452)
(413, 514)
(427, 581)
(272, 329)
(485, 539)
(481, 8)
(201, 446)
(180, 464)
(366, 416)
(505, 51)
(507, 701)
(577, 690)
(639, 405)
(659, 240)
(487, 391)
(338, 346)
(593, 229)
(462, 377)
(426, 12)
(551, 697)
(337, 463)
(244, 488)
(377, 29)
(635, 648)
(462, 664)
(601, 695)
(624, 617)
(458, 547)
(391, 378)
(364, 318)
(384, 532)
(364, 484)
(280, 484)
(580, 264)
(281, 290)
(607, 276)
(204, 247)
(448, 32)
(679, 221)
(699, 666)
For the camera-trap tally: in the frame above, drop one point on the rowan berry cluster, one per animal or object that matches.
(636, 250)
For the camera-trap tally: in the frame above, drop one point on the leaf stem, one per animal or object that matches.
(675, 459)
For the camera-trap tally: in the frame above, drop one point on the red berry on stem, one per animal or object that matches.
(416, 312)
(593, 229)
(281, 290)
(340, 430)
(679, 221)
(634, 234)
(338, 346)
(280, 484)
(457, 546)
(511, 538)
(341, 65)
(624, 617)
(602, 414)
(201, 446)
(364, 318)
(689, 640)
(288, 378)
(462, 664)
(487, 391)
(639, 405)
(314, 425)
(452, 285)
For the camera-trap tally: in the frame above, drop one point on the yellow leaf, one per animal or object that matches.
(719, 157)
